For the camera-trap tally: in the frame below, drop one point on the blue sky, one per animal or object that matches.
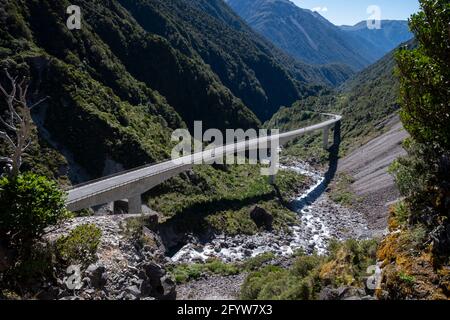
(351, 12)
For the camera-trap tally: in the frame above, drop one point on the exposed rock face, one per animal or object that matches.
(344, 293)
(157, 282)
(368, 165)
(262, 218)
(124, 270)
(96, 275)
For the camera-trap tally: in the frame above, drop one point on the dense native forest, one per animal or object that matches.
(107, 97)
(127, 74)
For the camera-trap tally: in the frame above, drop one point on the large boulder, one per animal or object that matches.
(156, 282)
(261, 217)
(343, 293)
(151, 218)
(97, 275)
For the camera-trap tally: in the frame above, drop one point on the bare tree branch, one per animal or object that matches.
(19, 122)
(8, 125)
(26, 147)
(3, 90)
(38, 103)
(7, 138)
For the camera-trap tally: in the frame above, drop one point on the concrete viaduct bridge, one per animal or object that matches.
(132, 184)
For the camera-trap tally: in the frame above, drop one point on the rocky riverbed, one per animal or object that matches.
(319, 221)
(212, 288)
(125, 271)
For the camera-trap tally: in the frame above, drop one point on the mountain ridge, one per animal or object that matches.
(118, 86)
(309, 37)
(367, 102)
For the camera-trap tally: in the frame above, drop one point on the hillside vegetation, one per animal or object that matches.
(135, 71)
(367, 102)
(221, 200)
(416, 254)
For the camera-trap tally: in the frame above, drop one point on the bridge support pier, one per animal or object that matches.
(272, 163)
(326, 133)
(272, 179)
(135, 205)
(131, 185)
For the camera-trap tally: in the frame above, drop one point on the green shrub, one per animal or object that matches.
(424, 76)
(256, 282)
(406, 278)
(422, 176)
(258, 262)
(305, 264)
(28, 205)
(290, 183)
(346, 263)
(186, 272)
(133, 228)
(341, 190)
(400, 213)
(303, 289)
(80, 245)
(218, 267)
(274, 283)
(359, 254)
(413, 238)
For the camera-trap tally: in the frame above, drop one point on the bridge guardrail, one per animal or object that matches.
(224, 148)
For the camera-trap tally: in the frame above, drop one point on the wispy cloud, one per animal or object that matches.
(320, 9)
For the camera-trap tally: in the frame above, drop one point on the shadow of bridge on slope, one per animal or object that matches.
(191, 221)
(333, 160)
(176, 231)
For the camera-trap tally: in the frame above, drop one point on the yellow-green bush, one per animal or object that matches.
(80, 245)
(346, 264)
(186, 272)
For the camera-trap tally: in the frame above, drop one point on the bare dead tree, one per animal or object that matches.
(16, 123)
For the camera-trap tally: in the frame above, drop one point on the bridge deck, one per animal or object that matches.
(128, 178)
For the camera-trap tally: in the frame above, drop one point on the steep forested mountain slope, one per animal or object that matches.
(96, 110)
(253, 69)
(330, 74)
(138, 69)
(308, 36)
(367, 102)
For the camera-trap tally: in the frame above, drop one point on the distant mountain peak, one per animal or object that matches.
(308, 36)
(384, 23)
